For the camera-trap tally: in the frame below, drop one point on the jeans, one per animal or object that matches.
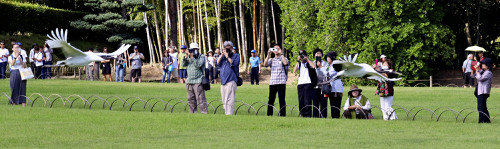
(481, 106)
(166, 72)
(3, 68)
(47, 71)
(119, 74)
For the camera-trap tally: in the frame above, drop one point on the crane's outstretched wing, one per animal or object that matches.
(58, 40)
(120, 50)
(379, 77)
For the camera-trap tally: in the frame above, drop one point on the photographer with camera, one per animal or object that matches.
(307, 81)
(228, 61)
(279, 74)
(320, 100)
(136, 60)
(195, 62)
(333, 90)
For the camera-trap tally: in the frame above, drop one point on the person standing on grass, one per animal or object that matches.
(136, 60)
(47, 70)
(30, 58)
(277, 83)
(217, 67)
(386, 92)
(4, 55)
(254, 68)
(106, 67)
(209, 66)
(320, 101)
(357, 106)
(38, 58)
(89, 69)
(335, 95)
(174, 55)
(120, 65)
(307, 81)
(97, 66)
(182, 69)
(194, 61)
(228, 61)
(17, 85)
(467, 70)
(484, 78)
(166, 62)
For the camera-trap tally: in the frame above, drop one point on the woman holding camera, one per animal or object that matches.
(17, 85)
(484, 78)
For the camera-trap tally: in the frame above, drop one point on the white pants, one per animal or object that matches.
(228, 92)
(386, 107)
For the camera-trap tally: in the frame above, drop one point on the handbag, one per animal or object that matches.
(239, 80)
(205, 83)
(26, 73)
(326, 89)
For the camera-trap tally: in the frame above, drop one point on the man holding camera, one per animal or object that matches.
(195, 62)
(279, 74)
(228, 63)
(307, 81)
(136, 60)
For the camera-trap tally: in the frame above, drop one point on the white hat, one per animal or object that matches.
(194, 45)
(228, 43)
(382, 56)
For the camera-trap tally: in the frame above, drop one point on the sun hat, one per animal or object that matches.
(354, 88)
(228, 43)
(382, 56)
(194, 45)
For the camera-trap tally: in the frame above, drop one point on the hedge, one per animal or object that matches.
(23, 17)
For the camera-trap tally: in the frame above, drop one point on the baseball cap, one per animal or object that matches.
(19, 43)
(383, 56)
(183, 46)
(252, 51)
(234, 48)
(135, 47)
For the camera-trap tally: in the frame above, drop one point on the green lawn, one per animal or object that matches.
(61, 127)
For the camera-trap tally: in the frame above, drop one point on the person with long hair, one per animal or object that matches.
(386, 91)
(167, 67)
(106, 67)
(17, 85)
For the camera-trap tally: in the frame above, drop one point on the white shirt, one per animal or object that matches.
(304, 74)
(32, 54)
(174, 57)
(23, 53)
(357, 101)
(4, 52)
(38, 56)
(48, 54)
(16, 65)
(210, 61)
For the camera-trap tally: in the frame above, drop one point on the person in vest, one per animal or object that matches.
(357, 104)
(307, 81)
(386, 91)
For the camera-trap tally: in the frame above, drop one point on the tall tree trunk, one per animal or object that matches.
(158, 37)
(172, 9)
(181, 24)
(274, 22)
(243, 34)
(254, 24)
(150, 44)
(217, 15)
(208, 29)
(200, 28)
(467, 33)
(194, 23)
(237, 29)
(266, 20)
(167, 24)
(261, 30)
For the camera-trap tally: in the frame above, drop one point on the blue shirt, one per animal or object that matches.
(254, 61)
(228, 71)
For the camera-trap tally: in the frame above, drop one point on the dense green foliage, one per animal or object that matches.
(61, 127)
(23, 17)
(111, 18)
(401, 29)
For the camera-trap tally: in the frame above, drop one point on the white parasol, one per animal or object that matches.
(475, 49)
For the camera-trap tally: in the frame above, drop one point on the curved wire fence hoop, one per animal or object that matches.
(454, 112)
(37, 95)
(8, 97)
(267, 105)
(407, 112)
(104, 102)
(64, 100)
(432, 112)
(116, 99)
(480, 112)
(139, 100)
(420, 85)
(76, 97)
(312, 106)
(452, 85)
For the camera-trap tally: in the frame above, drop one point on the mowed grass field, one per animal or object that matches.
(78, 127)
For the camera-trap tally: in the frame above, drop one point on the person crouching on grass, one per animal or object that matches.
(484, 78)
(195, 62)
(357, 104)
(307, 81)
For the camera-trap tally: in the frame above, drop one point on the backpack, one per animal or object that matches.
(382, 89)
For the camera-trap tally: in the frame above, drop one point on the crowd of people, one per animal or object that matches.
(315, 87)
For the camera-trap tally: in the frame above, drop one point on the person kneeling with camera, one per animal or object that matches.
(195, 62)
(307, 81)
(357, 105)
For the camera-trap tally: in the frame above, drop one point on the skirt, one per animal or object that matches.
(17, 88)
(106, 68)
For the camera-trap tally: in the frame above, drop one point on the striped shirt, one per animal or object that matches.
(195, 69)
(278, 72)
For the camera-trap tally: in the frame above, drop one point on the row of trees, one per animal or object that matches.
(427, 32)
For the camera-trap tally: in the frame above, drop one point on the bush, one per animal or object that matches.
(22, 17)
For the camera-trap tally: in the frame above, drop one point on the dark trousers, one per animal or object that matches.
(209, 74)
(359, 115)
(33, 66)
(321, 102)
(306, 94)
(47, 71)
(254, 75)
(281, 90)
(481, 106)
(469, 79)
(38, 72)
(3, 68)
